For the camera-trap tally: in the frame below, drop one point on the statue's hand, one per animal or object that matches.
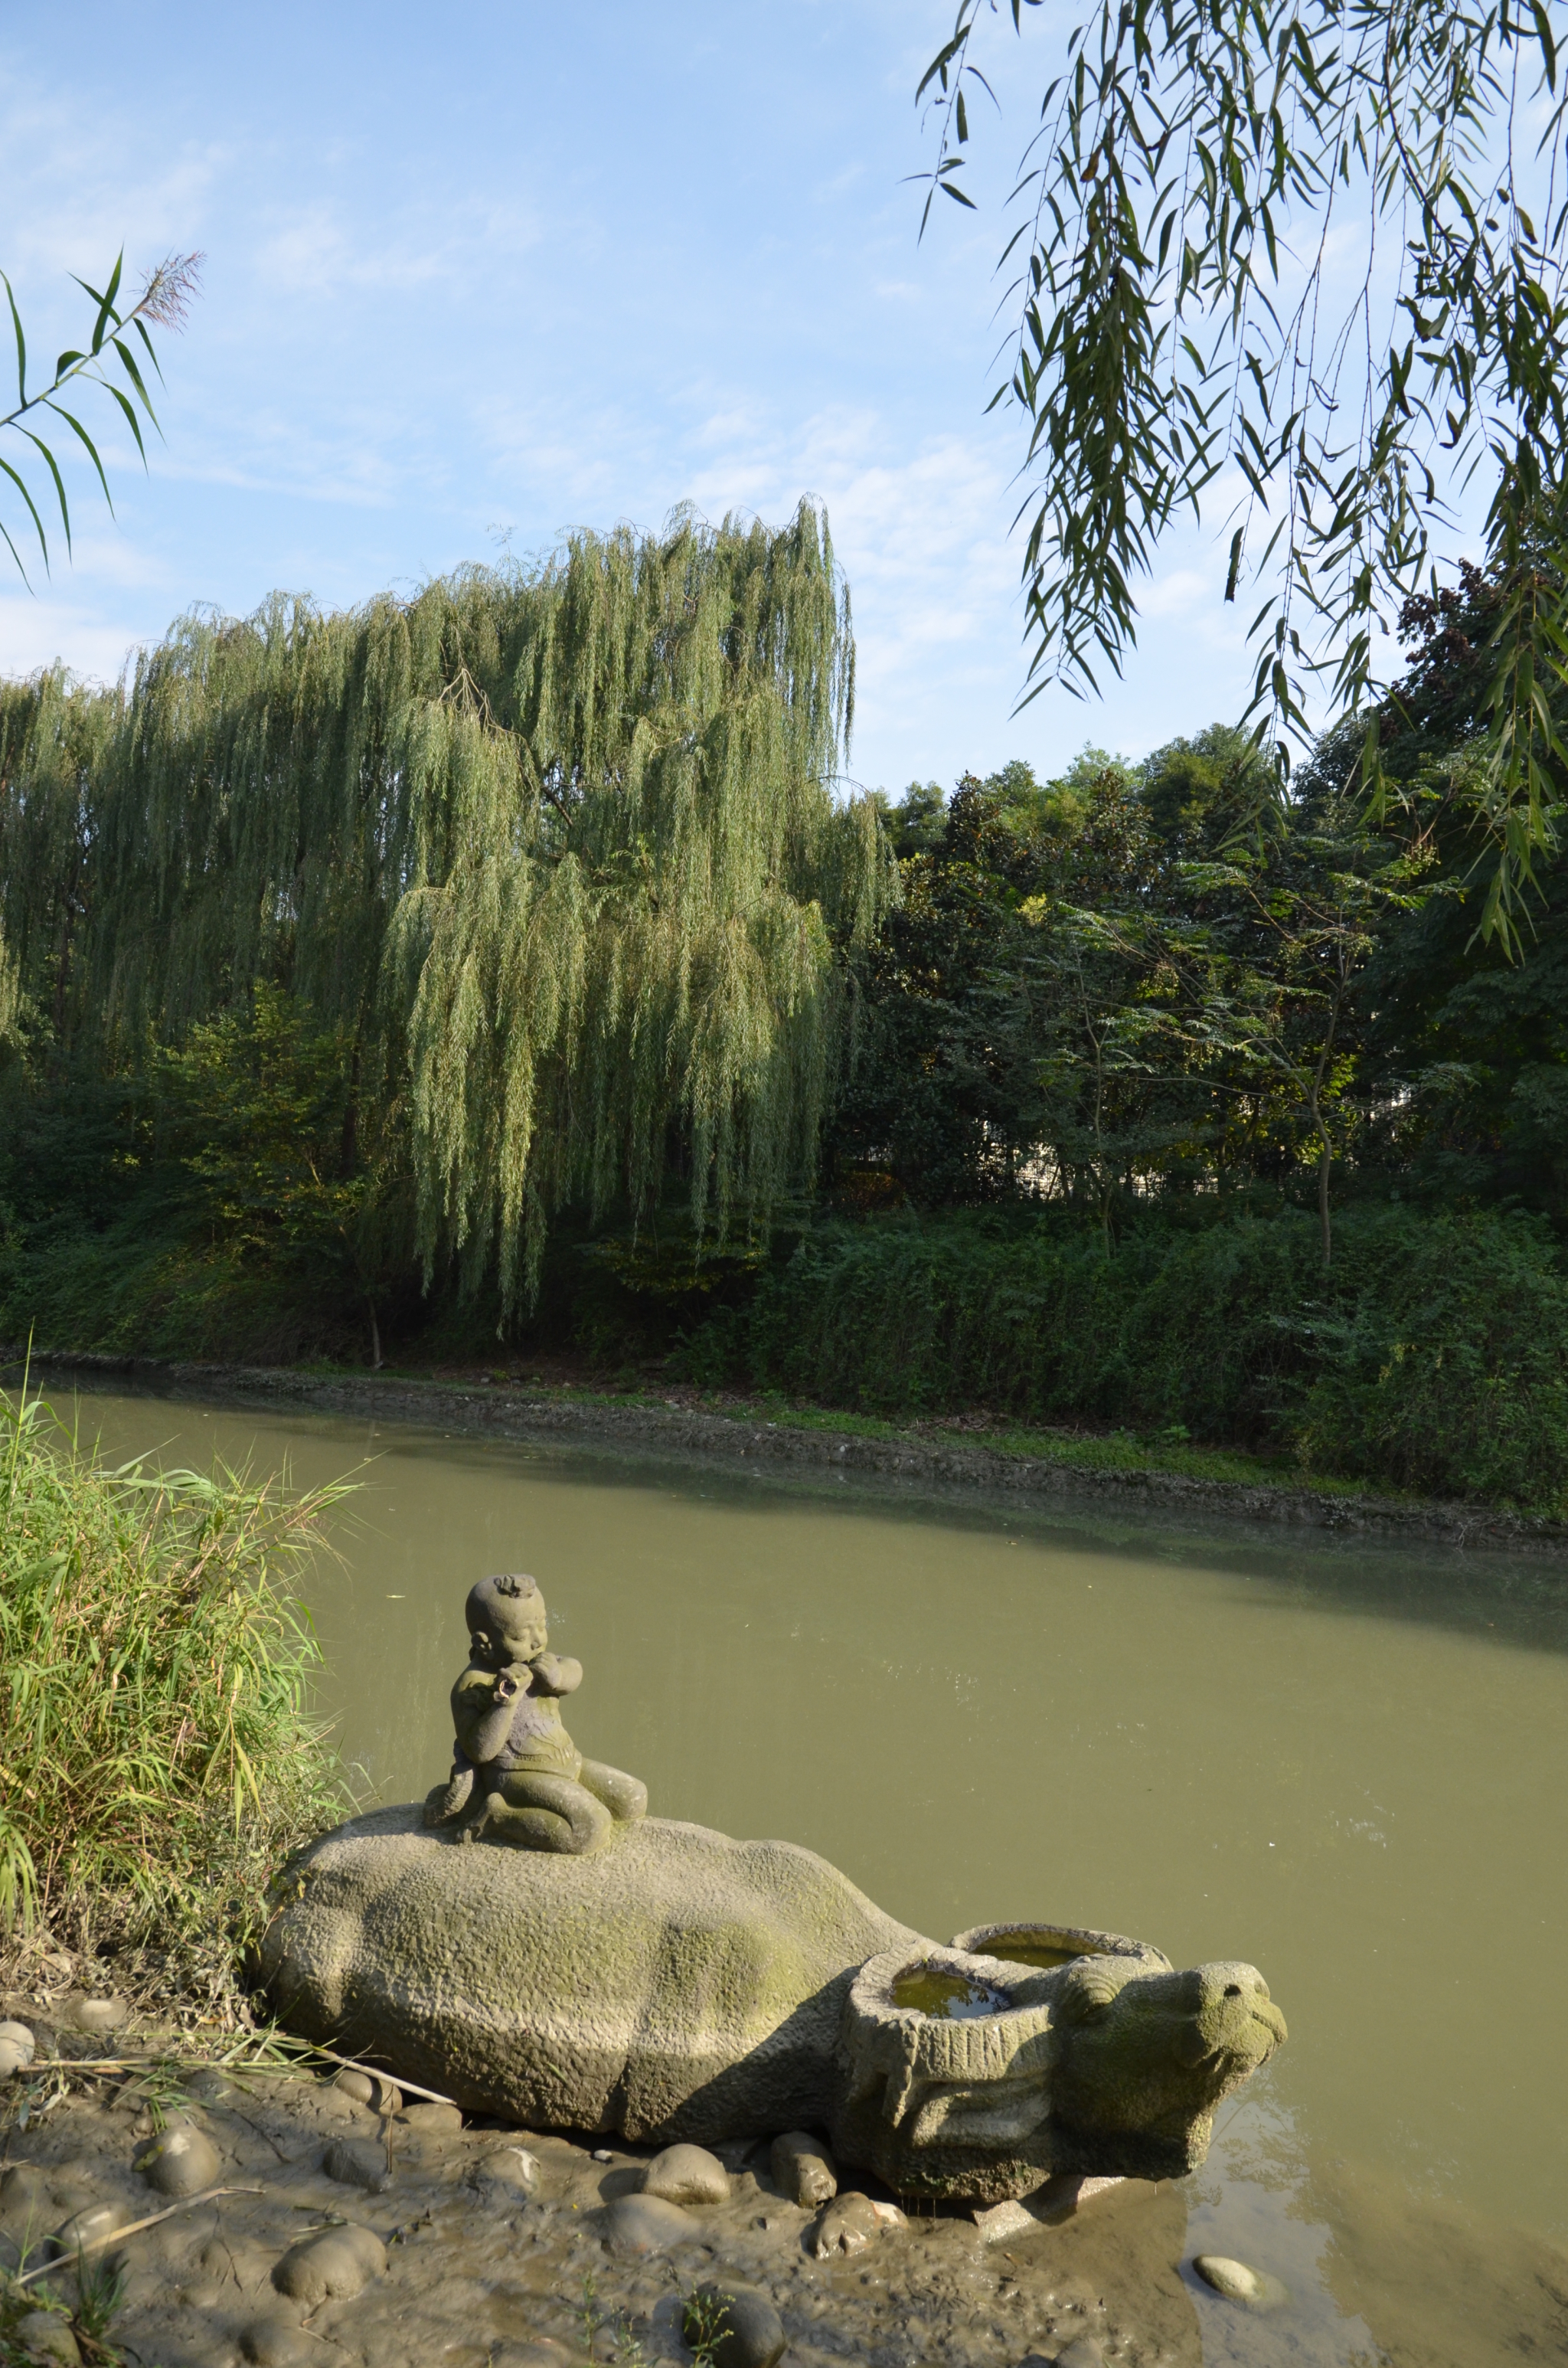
(555, 1674)
(507, 1687)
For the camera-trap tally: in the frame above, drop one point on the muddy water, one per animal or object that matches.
(1347, 1765)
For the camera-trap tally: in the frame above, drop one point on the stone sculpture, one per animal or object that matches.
(678, 1985)
(517, 1773)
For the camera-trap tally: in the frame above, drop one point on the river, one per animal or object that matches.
(1346, 1764)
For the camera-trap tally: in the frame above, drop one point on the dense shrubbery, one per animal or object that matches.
(1432, 1355)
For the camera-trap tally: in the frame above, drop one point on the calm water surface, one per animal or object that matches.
(1348, 1765)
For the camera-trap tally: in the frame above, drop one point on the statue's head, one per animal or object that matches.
(1151, 2055)
(506, 1620)
(1109, 2065)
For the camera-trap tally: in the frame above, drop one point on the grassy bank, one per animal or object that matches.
(1431, 1358)
(158, 1750)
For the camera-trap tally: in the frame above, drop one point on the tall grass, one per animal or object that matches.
(157, 1752)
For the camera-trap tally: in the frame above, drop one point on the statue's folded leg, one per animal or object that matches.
(626, 1797)
(545, 1813)
(445, 1801)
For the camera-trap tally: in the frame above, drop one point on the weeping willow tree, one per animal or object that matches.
(556, 848)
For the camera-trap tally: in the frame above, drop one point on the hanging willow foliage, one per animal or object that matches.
(555, 847)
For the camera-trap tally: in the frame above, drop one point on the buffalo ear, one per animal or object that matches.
(1086, 1989)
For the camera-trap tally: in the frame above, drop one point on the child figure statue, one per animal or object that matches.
(516, 1772)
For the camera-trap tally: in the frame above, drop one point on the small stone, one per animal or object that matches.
(45, 2335)
(274, 2342)
(84, 2228)
(180, 2161)
(602, 2154)
(432, 2121)
(93, 2015)
(373, 2088)
(509, 2176)
(210, 2086)
(359, 2162)
(686, 2174)
(1084, 2351)
(17, 2049)
(804, 2168)
(333, 2266)
(732, 2326)
(646, 2223)
(847, 2225)
(1238, 2283)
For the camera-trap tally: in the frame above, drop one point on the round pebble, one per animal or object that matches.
(433, 2121)
(1238, 2283)
(646, 2223)
(274, 2342)
(17, 2049)
(359, 2162)
(93, 2015)
(372, 2088)
(733, 2326)
(181, 2160)
(686, 2174)
(84, 2228)
(803, 2169)
(210, 2086)
(44, 2335)
(334, 2265)
(1084, 2351)
(511, 2175)
(847, 2225)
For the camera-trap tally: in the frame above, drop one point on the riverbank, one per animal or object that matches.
(974, 1455)
(237, 2209)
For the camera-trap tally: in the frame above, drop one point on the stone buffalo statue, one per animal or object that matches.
(680, 1985)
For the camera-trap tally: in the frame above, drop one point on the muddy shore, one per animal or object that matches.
(362, 2225)
(755, 1442)
(494, 2248)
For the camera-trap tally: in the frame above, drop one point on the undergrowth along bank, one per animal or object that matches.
(1432, 1358)
(159, 1752)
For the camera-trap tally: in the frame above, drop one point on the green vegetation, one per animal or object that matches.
(1143, 1103)
(1432, 1358)
(549, 858)
(1184, 333)
(157, 1752)
(110, 364)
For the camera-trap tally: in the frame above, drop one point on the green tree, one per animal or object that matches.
(555, 852)
(282, 1168)
(1181, 324)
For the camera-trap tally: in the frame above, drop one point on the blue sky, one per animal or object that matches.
(489, 275)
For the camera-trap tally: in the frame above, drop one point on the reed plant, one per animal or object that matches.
(159, 1754)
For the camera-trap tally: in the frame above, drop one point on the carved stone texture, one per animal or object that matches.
(680, 1986)
(1110, 2066)
(516, 1775)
